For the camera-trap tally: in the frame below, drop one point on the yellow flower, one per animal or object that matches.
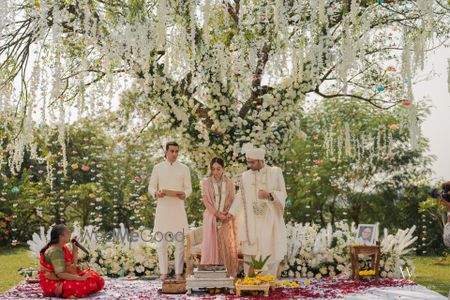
(367, 273)
(308, 282)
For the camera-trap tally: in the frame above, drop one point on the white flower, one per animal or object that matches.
(140, 269)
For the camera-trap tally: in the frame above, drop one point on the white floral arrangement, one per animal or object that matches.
(324, 252)
(108, 256)
(312, 251)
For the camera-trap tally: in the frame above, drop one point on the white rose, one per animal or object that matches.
(140, 269)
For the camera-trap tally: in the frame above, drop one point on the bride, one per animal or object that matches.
(219, 234)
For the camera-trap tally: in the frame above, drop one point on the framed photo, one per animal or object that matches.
(367, 234)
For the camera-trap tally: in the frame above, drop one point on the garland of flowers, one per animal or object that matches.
(157, 48)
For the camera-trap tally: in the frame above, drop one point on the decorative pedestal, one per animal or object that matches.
(253, 288)
(373, 251)
(208, 278)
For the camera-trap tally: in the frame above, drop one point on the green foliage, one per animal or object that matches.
(361, 183)
(257, 263)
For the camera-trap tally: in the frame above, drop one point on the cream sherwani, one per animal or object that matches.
(170, 212)
(260, 224)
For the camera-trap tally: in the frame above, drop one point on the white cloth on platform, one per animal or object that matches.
(260, 224)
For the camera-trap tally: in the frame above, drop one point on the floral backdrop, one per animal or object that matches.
(312, 251)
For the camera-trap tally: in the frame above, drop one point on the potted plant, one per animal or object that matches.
(256, 265)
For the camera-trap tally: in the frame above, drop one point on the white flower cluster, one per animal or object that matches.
(223, 74)
(312, 251)
(109, 256)
(317, 252)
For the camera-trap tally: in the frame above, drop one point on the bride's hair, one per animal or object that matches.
(217, 160)
(55, 233)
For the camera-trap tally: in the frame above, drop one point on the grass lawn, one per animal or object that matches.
(12, 259)
(431, 272)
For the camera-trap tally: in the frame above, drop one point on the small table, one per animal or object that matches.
(373, 251)
(253, 288)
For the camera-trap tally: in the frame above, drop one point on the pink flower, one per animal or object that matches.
(393, 126)
(406, 103)
(391, 69)
(85, 168)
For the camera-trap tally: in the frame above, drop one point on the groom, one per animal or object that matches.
(259, 207)
(170, 217)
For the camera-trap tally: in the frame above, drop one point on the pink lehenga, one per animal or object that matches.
(219, 237)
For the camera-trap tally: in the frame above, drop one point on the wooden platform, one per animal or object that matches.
(207, 283)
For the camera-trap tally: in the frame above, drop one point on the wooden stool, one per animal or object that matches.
(253, 288)
(373, 251)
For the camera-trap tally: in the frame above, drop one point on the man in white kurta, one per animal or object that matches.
(170, 218)
(259, 207)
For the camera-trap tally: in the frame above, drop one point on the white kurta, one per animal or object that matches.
(260, 223)
(170, 211)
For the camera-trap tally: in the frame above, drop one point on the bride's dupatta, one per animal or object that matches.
(219, 245)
